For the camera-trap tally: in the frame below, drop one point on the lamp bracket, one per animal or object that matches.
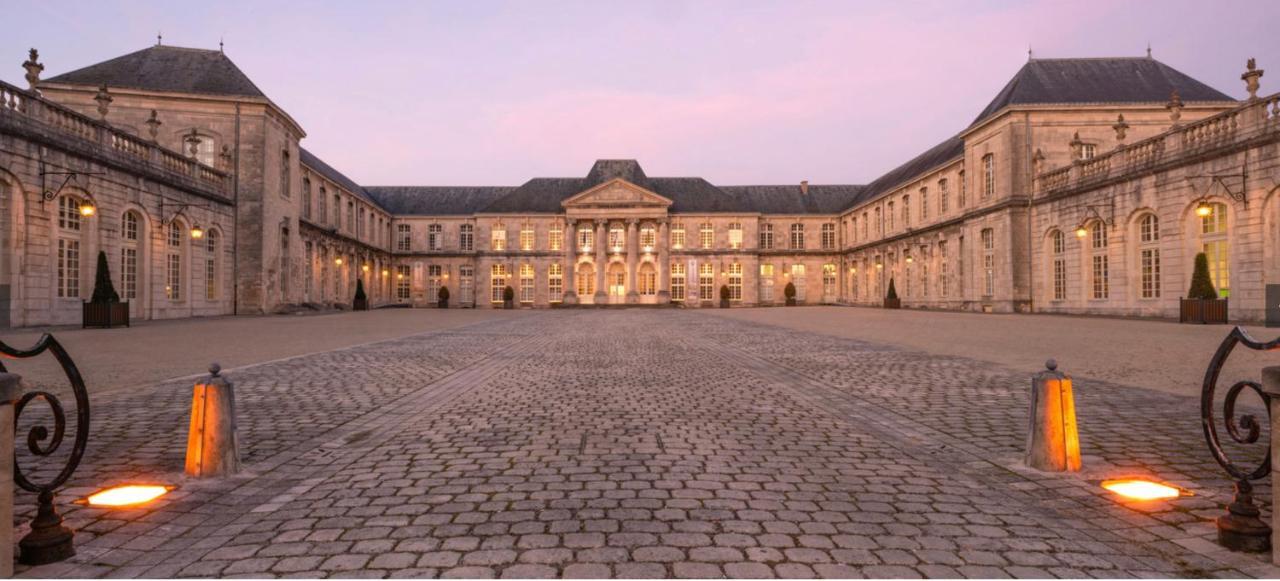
(48, 195)
(1219, 179)
(182, 208)
(1091, 210)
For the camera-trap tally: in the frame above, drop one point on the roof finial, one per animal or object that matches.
(220, 44)
(159, 38)
(1148, 49)
(1029, 54)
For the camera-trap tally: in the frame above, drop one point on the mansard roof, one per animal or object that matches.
(952, 148)
(319, 166)
(1098, 80)
(435, 200)
(167, 69)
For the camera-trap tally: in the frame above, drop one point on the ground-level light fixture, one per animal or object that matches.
(127, 495)
(1140, 489)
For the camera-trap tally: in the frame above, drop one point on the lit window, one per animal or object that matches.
(828, 280)
(735, 235)
(526, 237)
(766, 283)
(497, 282)
(735, 282)
(1099, 261)
(1215, 245)
(648, 237)
(526, 283)
(173, 261)
(555, 237)
(706, 235)
(402, 282)
(677, 281)
(677, 236)
(555, 282)
(1058, 242)
(498, 239)
(211, 261)
(706, 282)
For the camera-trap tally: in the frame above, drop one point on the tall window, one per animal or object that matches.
(69, 236)
(1058, 243)
(988, 175)
(677, 281)
(766, 236)
(706, 235)
(766, 283)
(435, 237)
(285, 173)
(888, 216)
(497, 282)
(467, 283)
(866, 224)
(735, 282)
(798, 278)
(173, 261)
(307, 283)
(828, 236)
(735, 235)
(284, 261)
(337, 210)
(586, 280)
(360, 224)
(648, 237)
(131, 229)
(402, 282)
(466, 237)
(988, 262)
(828, 280)
(306, 198)
(964, 189)
(322, 207)
(526, 283)
(211, 261)
(1099, 261)
(944, 198)
(585, 237)
(435, 275)
(555, 237)
(706, 281)
(906, 211)
(404, 237)
(677, 236)
(924, 204)
(797, 236)
(1149, 255)
(351, 217)
(206, 150)
(498, 239)
(1214, 244)
(617, 237)
(944, 270)
(555, 282)
(647, 279)
(526, 237)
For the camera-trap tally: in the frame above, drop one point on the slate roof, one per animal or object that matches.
(1099, 80)
(937, 155)
(319, 166)
(167, 68)
(435, 200)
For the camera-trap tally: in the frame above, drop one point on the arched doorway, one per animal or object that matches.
(586, 283)
(616, 281)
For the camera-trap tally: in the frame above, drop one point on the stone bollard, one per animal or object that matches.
(1053, 443)
(1271, 387)
(211, 444)
(10, 391)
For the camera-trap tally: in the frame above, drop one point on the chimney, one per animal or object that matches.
(804, 187)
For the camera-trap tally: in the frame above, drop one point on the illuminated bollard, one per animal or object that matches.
(211, 443)
(1053, 443)
(9, 394)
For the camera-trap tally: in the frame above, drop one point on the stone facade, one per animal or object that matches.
(1042, 204)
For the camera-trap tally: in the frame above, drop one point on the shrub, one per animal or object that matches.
(893, 291)
(443, 294)
(789, 291)
(1201, 283)
(508, 294)
(103, 290)
(360, 296)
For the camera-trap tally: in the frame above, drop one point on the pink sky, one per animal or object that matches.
(494, 93)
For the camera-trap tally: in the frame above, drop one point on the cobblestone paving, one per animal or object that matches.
(645, 443)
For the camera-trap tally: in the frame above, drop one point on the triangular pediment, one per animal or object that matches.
(614, 193)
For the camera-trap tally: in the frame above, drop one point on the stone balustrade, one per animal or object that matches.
(1180, 144)
(60, 119)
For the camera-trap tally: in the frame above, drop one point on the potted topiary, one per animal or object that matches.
(891, 300)
(789, 292)
(361, 302)
(1202, 304)
(508, 298)
(442, 298)
(104, 309)
(724, 296)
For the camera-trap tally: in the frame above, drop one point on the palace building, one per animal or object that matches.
(1085, 186)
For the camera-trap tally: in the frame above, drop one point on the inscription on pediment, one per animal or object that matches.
(617, 194)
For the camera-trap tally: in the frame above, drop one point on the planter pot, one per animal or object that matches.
(724, 303)
(892, 303)
(106, 315)
(1202, 311)
(360, 305)
(442, 304)
(791, 301)
(508, 304)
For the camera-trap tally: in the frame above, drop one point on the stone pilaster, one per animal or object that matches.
(633, 260)
(664, 264)
(570, 245)
(601, 241)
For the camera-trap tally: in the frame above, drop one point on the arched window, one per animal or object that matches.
(617, 237)
(1057, 246)
(1149, 256)
(1099, 262)
(69, 238)
(131, 237)
(1215, 245)
(173, 260)
(213, 261)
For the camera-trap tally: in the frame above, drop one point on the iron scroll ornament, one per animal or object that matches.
(1240, 529)
(49, 541)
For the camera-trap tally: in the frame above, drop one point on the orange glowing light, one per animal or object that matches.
(1136, 489)
(127, 495)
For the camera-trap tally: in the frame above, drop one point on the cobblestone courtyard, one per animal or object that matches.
(644, 443)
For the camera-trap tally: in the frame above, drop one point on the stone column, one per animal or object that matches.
(664, 264)
(570, 262)
(10, 391)
(601, 242)
(633, 259)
